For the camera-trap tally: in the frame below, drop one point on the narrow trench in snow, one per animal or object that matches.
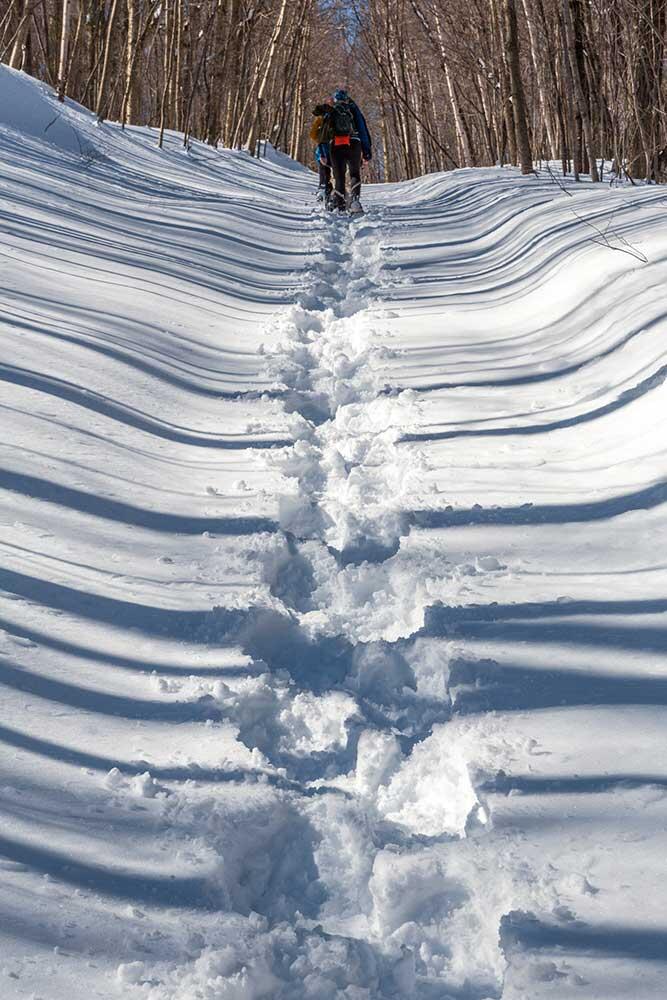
(353, 608)
(349, 698)
(345, 462)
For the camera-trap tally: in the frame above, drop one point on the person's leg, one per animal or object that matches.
(355, 169)
(328, 186)
(346, 152)
(323, 186)
(338, 166)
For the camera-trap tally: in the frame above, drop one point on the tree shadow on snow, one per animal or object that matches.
(488, 686)
(125, 513)
(160, 772)
(521, 930)
(591, 784)
(523, 430)
(106, 657)
(159, 890)
(547, 622)
(95, 700)
(528, 514)
(130, 416)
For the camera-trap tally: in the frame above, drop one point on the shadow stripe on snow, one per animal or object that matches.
(90, 400)
(530, 378)
(590, 784)
(164, 890)
(118, 510)
(519, 929)
(73, 649)
(161, 366)
(529, 513)
(443, 614)
(161, 772)
(551, 622)
(146, 618)
(489, 686)
(652, 382)
(567, 633)
(101, 702)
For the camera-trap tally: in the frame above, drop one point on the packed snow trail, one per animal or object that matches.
(332, 589)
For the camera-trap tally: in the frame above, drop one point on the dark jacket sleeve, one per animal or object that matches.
(364, 134)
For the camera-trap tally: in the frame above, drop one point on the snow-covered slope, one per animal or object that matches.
(333, 586)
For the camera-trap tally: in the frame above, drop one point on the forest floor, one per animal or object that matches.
(333, 599)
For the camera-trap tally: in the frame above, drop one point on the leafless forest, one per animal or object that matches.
(462, 83)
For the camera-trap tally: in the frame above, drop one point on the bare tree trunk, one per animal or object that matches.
(268, 67)
(17, 57)
(581, 102)
(461, 133)
(195, 80)
(176, 103)
(462, 136)
(129, 99)
(104, 79)
(647, 72)
(233, 72)
(516, 84)
(505, 87)
(6, 23)
(488, 119)
(64, 42)
(168, 71)
(539, 69)
(215, 127)
(384, 132)
(131, 65)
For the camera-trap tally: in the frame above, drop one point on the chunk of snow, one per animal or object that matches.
(130, 973)
(431, 793)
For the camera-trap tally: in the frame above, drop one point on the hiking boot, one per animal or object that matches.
(356, 207)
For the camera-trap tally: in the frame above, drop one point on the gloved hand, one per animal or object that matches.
(367, 157)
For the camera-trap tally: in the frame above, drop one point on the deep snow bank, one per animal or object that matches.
(31, 108)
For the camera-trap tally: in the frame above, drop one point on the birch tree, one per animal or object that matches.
(469, 82)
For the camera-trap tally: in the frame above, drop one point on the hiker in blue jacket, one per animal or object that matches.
(350, 143)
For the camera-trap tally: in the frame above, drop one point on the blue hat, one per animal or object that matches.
(341, 95)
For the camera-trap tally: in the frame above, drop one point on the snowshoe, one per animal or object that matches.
(356, 207)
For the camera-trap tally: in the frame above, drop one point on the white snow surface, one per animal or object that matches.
(333, 595)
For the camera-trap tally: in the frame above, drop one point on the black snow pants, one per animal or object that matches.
(343, 157)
